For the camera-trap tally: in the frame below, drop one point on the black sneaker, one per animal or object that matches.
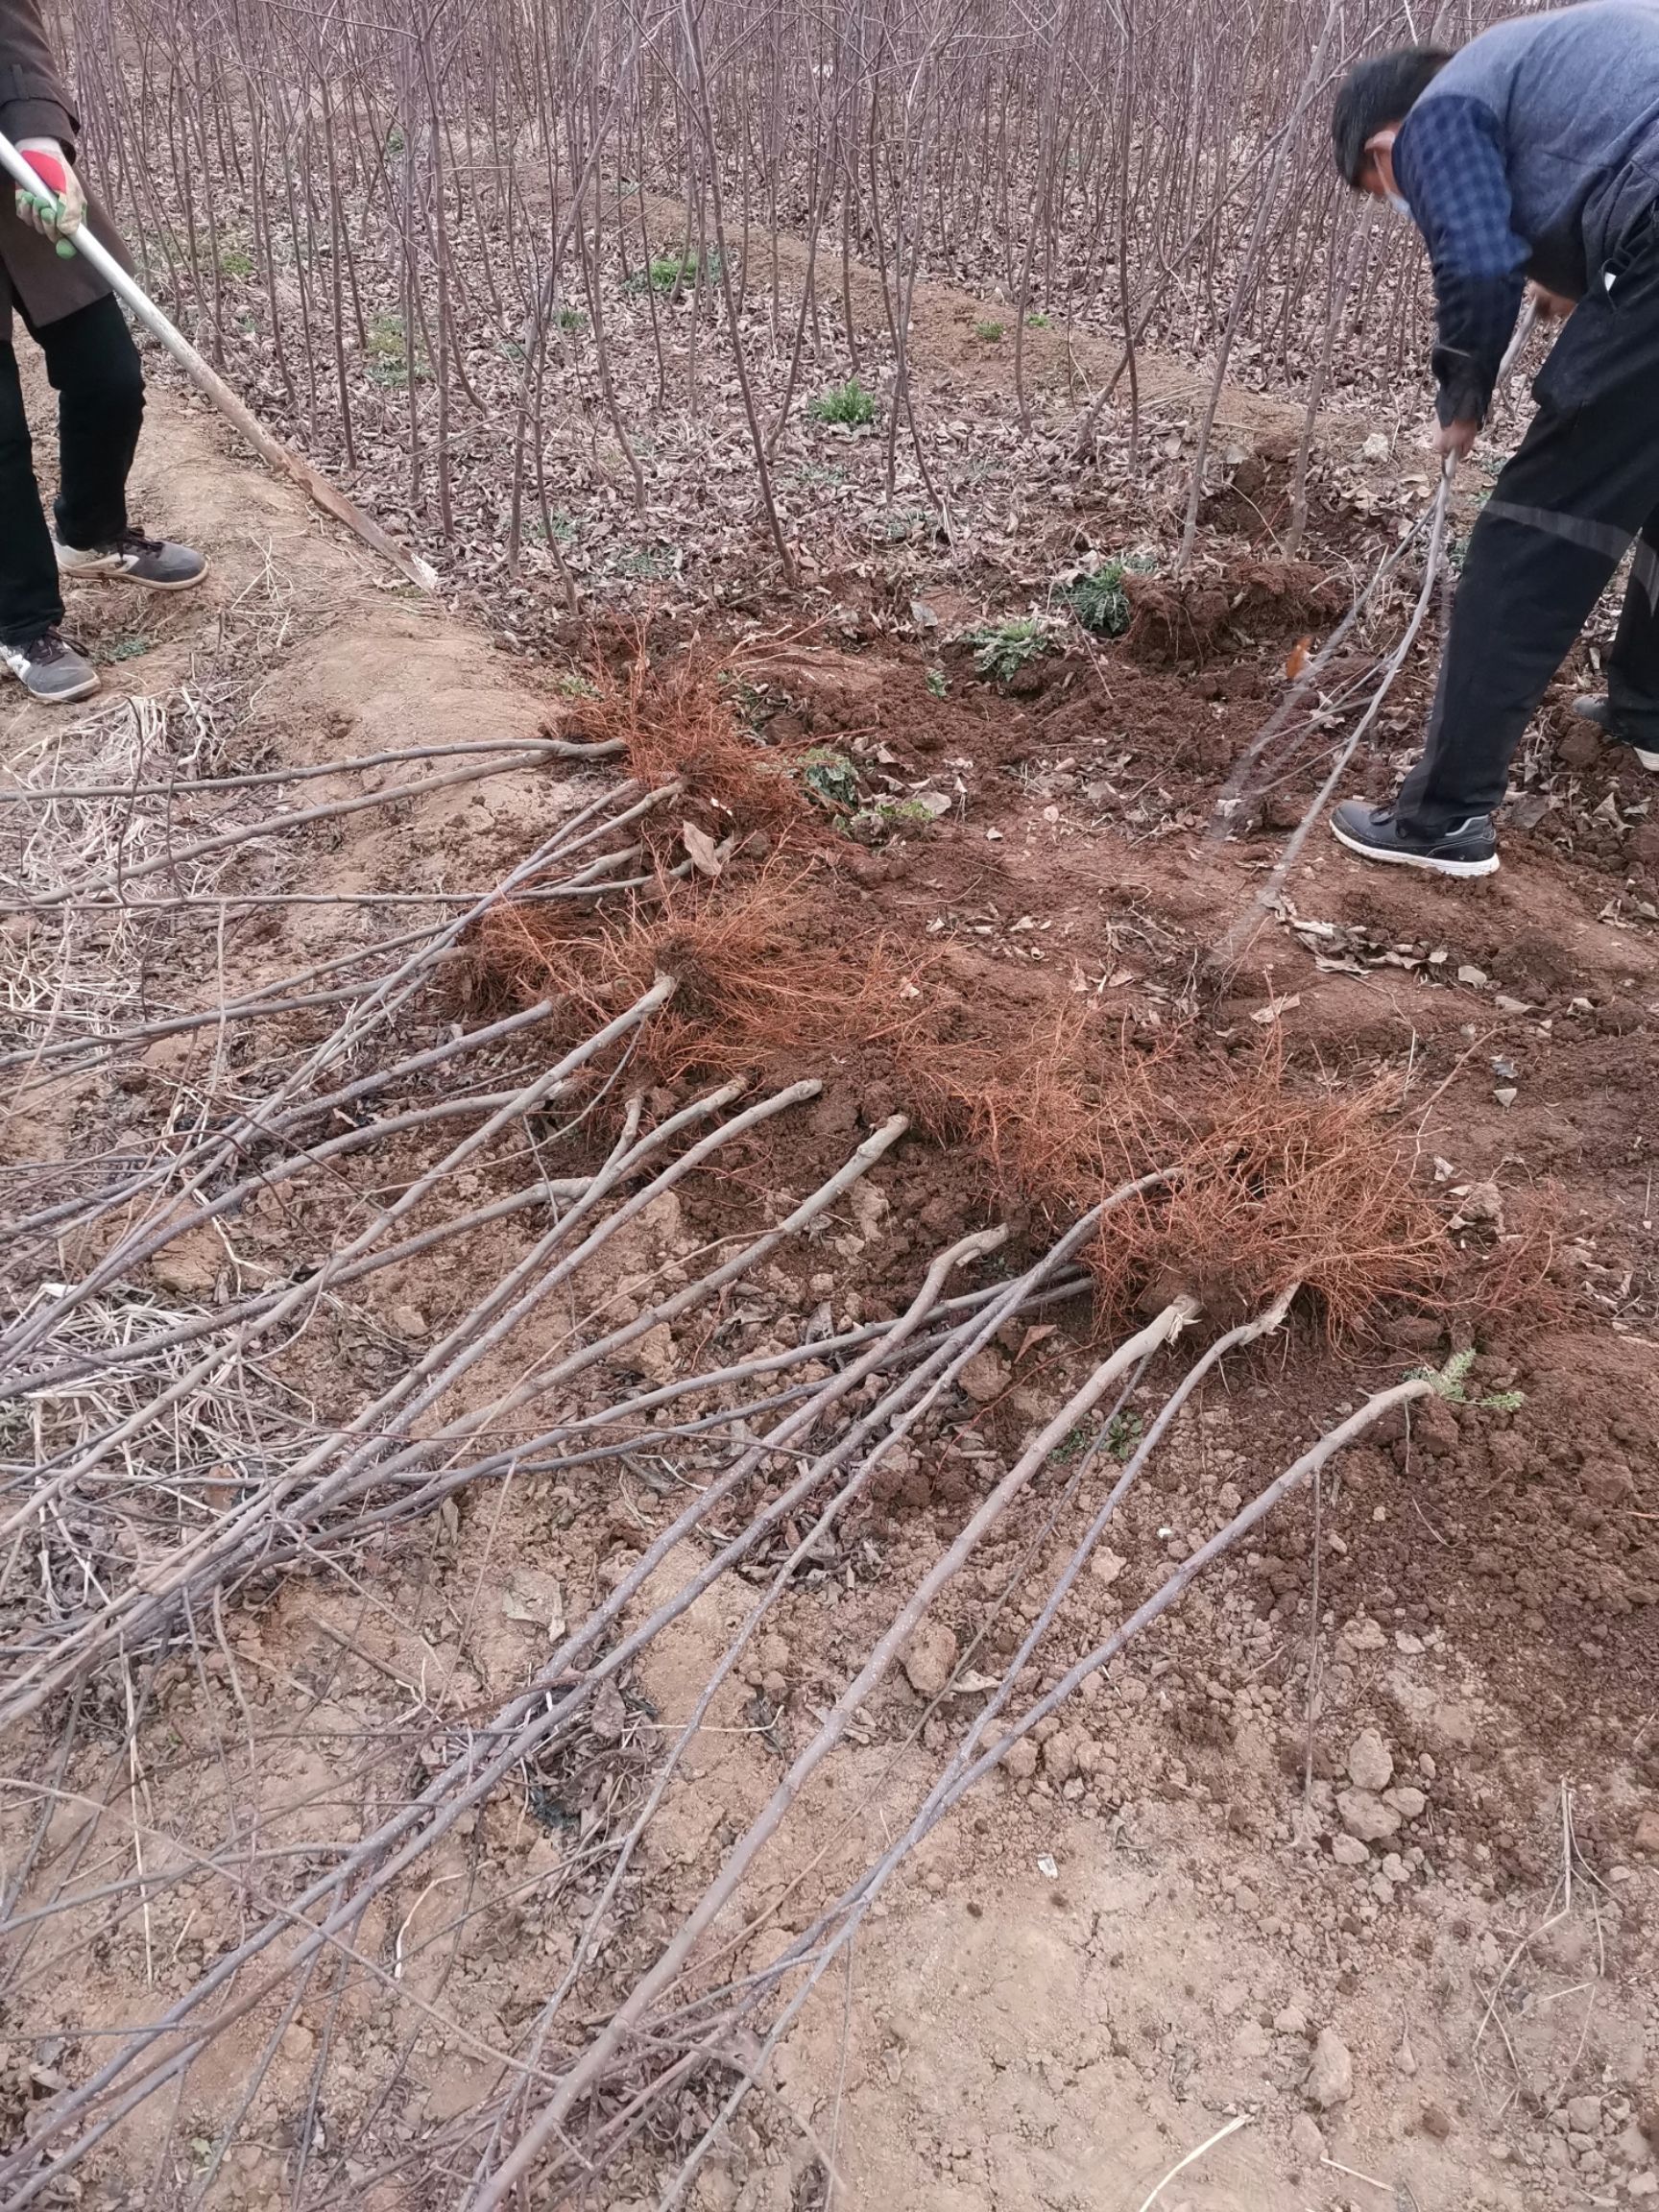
(133, 559)
(1599, 711)
(1466, 849)
(50, 669)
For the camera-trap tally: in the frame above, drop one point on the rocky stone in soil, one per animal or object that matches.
(1366, 1816)
(1305, 2140)
(929, 1657)
(1370, 1762)
(1330, 2071)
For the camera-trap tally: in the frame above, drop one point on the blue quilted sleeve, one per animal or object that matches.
(1449, 163)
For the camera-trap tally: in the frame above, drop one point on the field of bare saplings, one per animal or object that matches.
(790, 1419)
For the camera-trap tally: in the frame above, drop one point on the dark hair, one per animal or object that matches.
(1381, 91)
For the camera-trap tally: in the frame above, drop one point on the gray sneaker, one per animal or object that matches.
(51, 670)
(1599, 711)
(133, 559)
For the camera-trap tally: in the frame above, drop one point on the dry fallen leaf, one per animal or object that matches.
(700, 849)
(1298, 658)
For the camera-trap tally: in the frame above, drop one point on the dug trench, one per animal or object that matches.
(1274, 1864)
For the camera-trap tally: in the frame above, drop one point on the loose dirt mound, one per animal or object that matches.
(1205, 615)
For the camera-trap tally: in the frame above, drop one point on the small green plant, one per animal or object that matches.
(890, 814)
(755, 703)
(649, 563)
(1001, 649)
(235, 261)
(1037, 322)
(667, 271)
(830, 777)
(1449, 1381)
(1123, 1433)
(848, 403)
(389, 353)
(1099, 600)
(572, 318)
(938, 684)
(573, 687)
(905, 523)
(990, 332)
(130, 648)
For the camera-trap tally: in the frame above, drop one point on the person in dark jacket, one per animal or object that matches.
(1531, 153)
(93, 366)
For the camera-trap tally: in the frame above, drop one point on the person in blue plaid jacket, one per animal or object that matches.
(1529, 155)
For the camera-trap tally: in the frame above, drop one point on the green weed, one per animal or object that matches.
(990, 332)
(848, 403)
(389, 352)
(1001, 649)
(1449, 1381)
(1039, 321)
(1123, 1433)
(1099, 600)
(235, 261)
(831, 777)
(902, 813)
(938, 684)
(677, 271)
(648, 563)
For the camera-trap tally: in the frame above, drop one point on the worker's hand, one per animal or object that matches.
(1454, 438)
(1552, 306)
(45, 156)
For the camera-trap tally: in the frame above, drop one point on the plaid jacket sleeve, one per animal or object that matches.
(1450, 167)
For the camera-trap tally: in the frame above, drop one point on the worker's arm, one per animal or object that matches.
(35, 116)
(1448, 165)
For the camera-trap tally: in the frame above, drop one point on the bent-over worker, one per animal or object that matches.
(1532, 151)
(94, 368)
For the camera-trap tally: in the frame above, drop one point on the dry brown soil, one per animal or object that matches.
(1107, 1954)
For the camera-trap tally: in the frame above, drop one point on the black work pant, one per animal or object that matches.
(94, 368)
(1583, 486)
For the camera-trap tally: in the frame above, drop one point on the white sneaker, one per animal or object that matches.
(51, 670)
(133, 559)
